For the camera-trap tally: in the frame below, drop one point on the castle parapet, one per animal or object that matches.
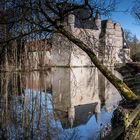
(117, 26)
(109, 24)
(118, 30)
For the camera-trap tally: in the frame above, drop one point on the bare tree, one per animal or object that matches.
(136, 10)
(30, 18)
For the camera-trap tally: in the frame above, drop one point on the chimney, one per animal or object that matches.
(71, 22)
(98, 19)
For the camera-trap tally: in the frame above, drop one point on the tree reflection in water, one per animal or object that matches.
(52, 104)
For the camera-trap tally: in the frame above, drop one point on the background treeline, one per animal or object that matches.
(134, 44)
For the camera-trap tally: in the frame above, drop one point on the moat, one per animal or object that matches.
(57, 104)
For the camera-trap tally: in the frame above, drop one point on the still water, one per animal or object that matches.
(56, 104)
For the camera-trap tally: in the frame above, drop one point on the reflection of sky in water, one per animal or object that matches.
(90, 130)
(29, 113)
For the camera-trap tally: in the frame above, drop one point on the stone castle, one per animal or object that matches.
(107, 41)
(105, 38)
(82, 85)
(72, 86)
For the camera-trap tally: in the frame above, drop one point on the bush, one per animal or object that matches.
(136, 57)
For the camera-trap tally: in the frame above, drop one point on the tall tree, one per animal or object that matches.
(134, 45)
(136, 10)
(32, 17)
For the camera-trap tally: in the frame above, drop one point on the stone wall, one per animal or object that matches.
(131, 76)
(105, 38)
(61, 51)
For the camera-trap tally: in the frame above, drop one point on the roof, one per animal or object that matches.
(38, 45)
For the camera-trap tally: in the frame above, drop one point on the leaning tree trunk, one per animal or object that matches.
(120, 85)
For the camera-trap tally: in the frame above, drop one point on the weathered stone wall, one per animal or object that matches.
(61, 51)
(89, 36)
(104, 37)
(131, 76)
(113, 47)
(106, 40)
(38, 59)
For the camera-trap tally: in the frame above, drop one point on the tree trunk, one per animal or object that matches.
(120, 85)
(123, 128)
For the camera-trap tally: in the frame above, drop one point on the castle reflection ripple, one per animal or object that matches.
(57, 104)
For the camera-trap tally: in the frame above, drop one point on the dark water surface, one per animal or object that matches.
(56, 104)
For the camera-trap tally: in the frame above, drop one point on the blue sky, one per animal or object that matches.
(126, 19)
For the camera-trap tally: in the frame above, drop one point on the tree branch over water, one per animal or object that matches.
(48, 15)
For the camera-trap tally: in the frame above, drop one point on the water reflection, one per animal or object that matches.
(59, 103)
